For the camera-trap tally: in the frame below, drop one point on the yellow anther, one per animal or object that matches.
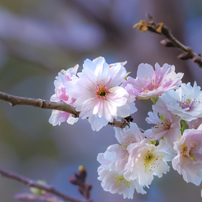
(81, 168)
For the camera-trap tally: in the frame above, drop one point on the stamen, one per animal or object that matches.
(120, 180)
(101, 93)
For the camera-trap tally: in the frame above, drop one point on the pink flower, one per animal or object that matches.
(167, 125)
(195, 123)
(128, 135)
(99, 96)
(153, 82)
(57, 117)
(188, 161)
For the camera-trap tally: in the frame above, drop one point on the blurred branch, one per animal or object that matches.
(45, 104)
(79, 180)
(113, 32)
(30, 183)
(25, 55)
(35, 198)
(170, 40)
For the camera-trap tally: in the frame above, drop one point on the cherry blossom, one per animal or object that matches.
(186, 102)
(104, 92)
(146, 160)
(167, 125)
(128, 135)
(188, 161)
(99, 96)
(152, 82)
(111, 172)
(57, 117)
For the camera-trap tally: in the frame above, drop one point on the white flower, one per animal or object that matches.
(188, 161)
(114, 182)
(146, 160)
(98, 93)
(111, 172)
(185, 102)
(113, 163)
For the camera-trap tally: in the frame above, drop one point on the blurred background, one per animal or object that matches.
(37, 40)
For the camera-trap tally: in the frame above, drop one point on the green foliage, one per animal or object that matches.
(183, 125)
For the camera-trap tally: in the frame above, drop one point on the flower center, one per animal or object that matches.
(149, 158)
(151, 85)
(101, 91)
(188, 153)
(150, 161)
(120, 180)
(187, 103)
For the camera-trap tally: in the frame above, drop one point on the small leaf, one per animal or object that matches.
(183, 125)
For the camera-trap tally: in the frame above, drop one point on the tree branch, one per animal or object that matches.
(30, 183)
(170, 40)
(45, 104)
(120, 124)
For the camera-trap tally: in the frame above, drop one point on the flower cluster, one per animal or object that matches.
(104, 92)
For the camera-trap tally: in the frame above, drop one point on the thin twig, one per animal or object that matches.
(45, 104)
(20, 53)
(31, 183)
(170, 40)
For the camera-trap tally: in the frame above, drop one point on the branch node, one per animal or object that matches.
(121, 124)
(165, 31)
(198, 59)
(184, 56)
(41, 103)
